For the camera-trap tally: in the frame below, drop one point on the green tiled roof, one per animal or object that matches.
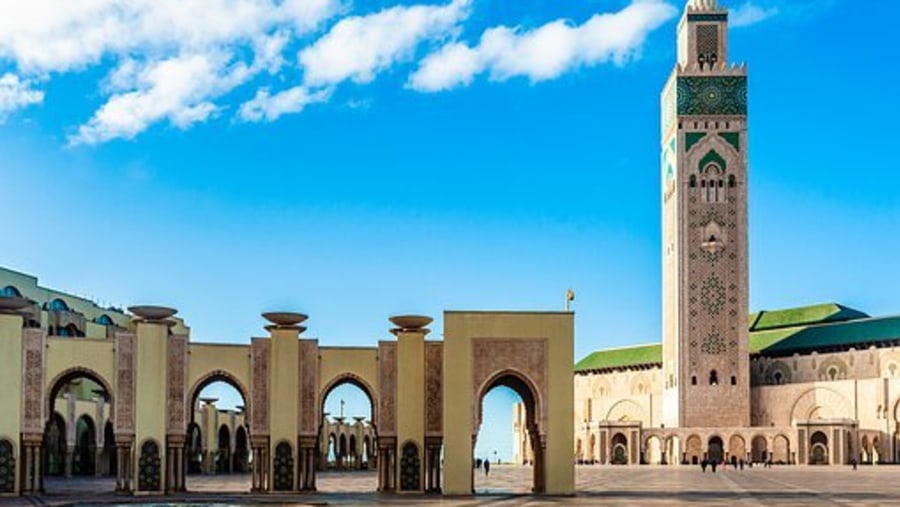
(621, 357)
(856, 333)
(779, 332)
(814, 314)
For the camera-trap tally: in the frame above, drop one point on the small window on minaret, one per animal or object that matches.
(694, 380)
(713, 378)
(733, 380)
(707, 45)
(731, 181)
(693, 181)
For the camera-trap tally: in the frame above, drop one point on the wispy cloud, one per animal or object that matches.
(16, 94)
(749, 13)
(545, 52)
(267, 107)
(183, 62)
(359, 47)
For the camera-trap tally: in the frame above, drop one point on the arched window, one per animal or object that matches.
(694, 380)
(733, 380)
(104, 320)
(692, 181)
(57, 304)
(10, 292)
(731, 181)
(713, 378)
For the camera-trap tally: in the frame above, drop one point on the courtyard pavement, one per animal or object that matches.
(509, 485)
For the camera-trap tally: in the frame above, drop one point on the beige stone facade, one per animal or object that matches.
(93, 390)
(811, 385)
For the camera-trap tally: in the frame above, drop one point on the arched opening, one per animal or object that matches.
(672, 451)
(493, 437)
(736, 449)
(619, 449)
(592, 449)
(352, 453)
(653, 453)
(217, 438)
(55, 447)
(241, 461)
(865, 453)
(410, 467)
(366, 452)
(109, 460)
(10, 292)
(759, 451)
(223, 454)
(713, 378)
(78, 439)
(85, 453)
(194, 449)
(715, 450)
(781, 450)
(7, 466)
(694, 450)
(347, 407)
(818, 448)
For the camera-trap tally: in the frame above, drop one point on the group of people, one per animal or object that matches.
(483, 463)
(737, 464)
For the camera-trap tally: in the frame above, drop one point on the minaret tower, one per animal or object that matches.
(704, 193)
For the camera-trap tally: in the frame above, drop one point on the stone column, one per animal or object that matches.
(410, 333)
(100, 435)
(12, 370)
(284, 384)
(152, 324)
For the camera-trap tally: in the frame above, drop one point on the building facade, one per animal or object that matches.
(88, 390)
(809, 385)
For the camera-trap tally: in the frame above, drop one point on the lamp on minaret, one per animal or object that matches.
(570, 296)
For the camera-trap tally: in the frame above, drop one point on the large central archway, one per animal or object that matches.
(346, 444)
(217, 434)
(78, 432)
(525, 389)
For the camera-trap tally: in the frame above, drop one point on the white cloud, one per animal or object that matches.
(16, 94)
(52, 36)
(749, 13)
(266, 107)
(171, 57)
(177, 89)
(545, 52)
(359, 47)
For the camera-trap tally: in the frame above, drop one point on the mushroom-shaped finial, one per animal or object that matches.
(152, 313)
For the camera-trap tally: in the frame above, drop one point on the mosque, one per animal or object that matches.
(92, 390)
(814, 385)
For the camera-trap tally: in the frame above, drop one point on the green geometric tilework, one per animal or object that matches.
(732, 138)
(692, 138)
(712, 95)
(712, 156)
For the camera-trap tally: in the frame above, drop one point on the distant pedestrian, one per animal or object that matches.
(853, 463)
(487, 467)
(703, 464)
(712, 463)
(741, 464)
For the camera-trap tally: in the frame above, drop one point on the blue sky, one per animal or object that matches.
(359, 160)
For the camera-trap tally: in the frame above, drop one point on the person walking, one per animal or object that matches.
(487, 467)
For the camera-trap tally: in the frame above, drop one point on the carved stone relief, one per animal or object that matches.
(259, 386)
(124, 399)
(309, 375)
(491, 356)
(33, 381)
(434, 402)
(387, 388)
(176, 366)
